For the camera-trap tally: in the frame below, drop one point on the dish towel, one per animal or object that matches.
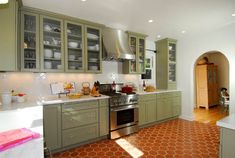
(12, 138)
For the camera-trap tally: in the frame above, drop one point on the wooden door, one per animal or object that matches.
(202, 86)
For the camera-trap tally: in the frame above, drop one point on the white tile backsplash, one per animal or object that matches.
(38, 84)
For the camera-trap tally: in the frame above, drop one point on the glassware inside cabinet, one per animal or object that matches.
(74, 45)
(141, 54)
(52, 44)
(172, 52)
(29, 56)
(133, 46)
(93, 49)
(172, 72)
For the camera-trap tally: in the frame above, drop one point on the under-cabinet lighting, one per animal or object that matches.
(83, 0)
(183, 32)
(3, 1)
(150, 21)
(159, 36)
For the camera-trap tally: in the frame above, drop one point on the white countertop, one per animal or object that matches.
(227, 122)
(28, 117)
(157, 91)
(56, 100)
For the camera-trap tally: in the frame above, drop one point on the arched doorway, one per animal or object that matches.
(215, 111)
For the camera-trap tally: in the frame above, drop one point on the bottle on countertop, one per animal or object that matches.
(114, 86)
(144, 85)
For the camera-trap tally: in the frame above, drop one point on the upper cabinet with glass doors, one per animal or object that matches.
(74, 47)
(30, 42)
(52, 50)
(93, 49)
(57, 43)
(137, 46)
(166, 63)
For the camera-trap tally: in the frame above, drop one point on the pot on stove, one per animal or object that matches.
(127, 89)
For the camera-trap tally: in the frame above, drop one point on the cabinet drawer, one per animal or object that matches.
(164, 95)
(104, 102)
(176, 94)
(80, 134)
(79, 106)
(147, 97)
(79, 118)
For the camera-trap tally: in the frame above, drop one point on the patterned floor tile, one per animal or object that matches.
(173, 139)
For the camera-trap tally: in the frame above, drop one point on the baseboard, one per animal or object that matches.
(187, 117)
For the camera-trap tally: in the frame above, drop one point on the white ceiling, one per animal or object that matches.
(170, 16)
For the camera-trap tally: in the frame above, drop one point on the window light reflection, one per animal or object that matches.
(132, 150)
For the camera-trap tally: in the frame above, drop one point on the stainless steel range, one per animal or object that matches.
(123, 112)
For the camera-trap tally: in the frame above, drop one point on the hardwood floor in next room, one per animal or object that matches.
(211, 115)
(172, 139)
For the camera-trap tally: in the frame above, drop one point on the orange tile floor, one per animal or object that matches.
(173, 139)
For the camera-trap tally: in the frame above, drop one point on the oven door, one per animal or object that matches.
(123, 116)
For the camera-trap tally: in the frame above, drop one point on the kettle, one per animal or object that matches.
(86, 88)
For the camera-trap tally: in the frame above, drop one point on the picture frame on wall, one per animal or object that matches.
(149, 63)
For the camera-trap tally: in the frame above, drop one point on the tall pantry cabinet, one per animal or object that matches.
(207, 85)
(166, 64)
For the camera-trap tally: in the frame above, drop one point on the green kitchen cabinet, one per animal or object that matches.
(52, 44)
(142, 113)
(103, 117)
(147, 109)
(176, 104)
(164, 109)
(80, 122)
(168, 105)
(74, 47)
(8, 36)
(166, 64)
(30, 57)
(93, 49)
(137, 45)
(79, 134)
(52, 126)
(227, 143)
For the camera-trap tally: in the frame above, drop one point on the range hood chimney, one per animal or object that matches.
(116, 45)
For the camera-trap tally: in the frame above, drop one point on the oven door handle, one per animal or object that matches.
(125, 108)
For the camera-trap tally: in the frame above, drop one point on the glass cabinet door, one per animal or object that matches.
(52, 44)
(93, 49)
(172, 52)
(172, 61)
(74, 53)
(30, 42)
(133, 46)
(141, 56)
(172, 72)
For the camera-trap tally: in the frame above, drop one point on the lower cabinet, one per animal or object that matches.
(164, 109)
(52, 126)
(168, 105)
(73, 123)
(147, 109)
(104, 117)
(160, 106)
(227, 143)
(79, 134)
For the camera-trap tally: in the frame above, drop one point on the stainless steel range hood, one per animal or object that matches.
(116, 45)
